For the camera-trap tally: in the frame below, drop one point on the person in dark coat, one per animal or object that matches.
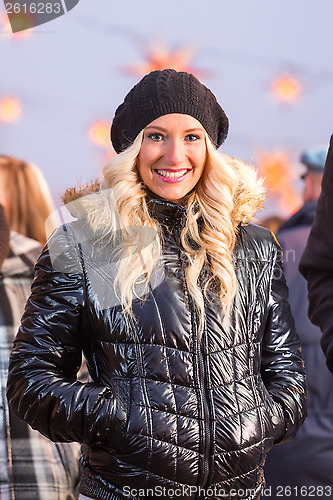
(304, 466)
(317, 262)
(179, 305)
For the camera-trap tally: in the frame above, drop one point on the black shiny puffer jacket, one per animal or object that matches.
(163, 411)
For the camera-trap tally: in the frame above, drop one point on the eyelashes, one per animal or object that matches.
(155, 136)
(194, 136)
(158, 137)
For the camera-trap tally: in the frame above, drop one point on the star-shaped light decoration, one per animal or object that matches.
(279, 178)
(159, 56)
(10, 109)
(286, 88)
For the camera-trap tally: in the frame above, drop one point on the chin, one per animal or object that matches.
(173, 196)
(174, 199)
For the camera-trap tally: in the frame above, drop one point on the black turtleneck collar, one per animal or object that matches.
(170, 215)
(165, 211)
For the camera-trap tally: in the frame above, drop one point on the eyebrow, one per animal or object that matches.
(164, 130)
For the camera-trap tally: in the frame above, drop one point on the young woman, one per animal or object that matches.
(179, 305)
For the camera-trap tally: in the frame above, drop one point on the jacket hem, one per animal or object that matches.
(93, 488)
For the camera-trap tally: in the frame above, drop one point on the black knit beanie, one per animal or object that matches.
(161, 93)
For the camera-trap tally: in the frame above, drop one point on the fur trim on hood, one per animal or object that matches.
(248, 198)
(74, 198)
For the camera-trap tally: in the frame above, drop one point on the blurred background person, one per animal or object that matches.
(273, 223)
(31, 466)
(316, 263)
(307, 461)
(26, 198)
(4, 236)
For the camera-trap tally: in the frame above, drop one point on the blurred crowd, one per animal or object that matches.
(306, 461)
(31, 466)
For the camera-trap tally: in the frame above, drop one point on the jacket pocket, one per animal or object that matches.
(120, 415)
(279, 422)
(275, 422)
(111, 412)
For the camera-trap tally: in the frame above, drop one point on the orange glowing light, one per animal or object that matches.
(286, 88)
(99, 133)
(21, 19)
(159, 56)
(4, 23)
(279, 174)
(10, 109)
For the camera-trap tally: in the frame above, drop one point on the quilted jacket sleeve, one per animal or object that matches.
(282, 362)
(42, 387)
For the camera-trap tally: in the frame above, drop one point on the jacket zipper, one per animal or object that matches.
(203, 398)
(200, 379)
(207, 424)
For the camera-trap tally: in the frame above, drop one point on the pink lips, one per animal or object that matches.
(172, 180)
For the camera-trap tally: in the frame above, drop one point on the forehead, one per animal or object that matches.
(176, 121)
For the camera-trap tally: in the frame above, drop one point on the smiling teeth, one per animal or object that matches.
(172, 175)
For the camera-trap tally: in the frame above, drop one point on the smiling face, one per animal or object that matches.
(172, 156)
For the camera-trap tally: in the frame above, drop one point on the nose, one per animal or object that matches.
(175, 152)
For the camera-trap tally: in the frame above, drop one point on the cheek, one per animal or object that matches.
(145, 157)
(143, 167)
(201, 161)
(200, 153)
(140, 172)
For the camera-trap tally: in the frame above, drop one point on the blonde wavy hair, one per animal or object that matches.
(225, 196)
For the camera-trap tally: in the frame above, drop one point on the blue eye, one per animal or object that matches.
(155, 136)
(192, 137)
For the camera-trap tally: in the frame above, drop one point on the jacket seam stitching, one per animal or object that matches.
(173, 348)
(234, 386)
(228, 481)
(192, 388)
(143, 385)
(240, 450)
(168, 370)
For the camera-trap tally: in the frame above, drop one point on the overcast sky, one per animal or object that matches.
(69, 73)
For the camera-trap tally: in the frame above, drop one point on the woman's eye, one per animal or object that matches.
(192, 137)
(156, 136)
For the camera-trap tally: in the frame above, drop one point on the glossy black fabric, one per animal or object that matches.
(163, 409)
(305, 464)
(316, 263)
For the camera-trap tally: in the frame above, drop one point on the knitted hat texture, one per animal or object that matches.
(161, 93)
